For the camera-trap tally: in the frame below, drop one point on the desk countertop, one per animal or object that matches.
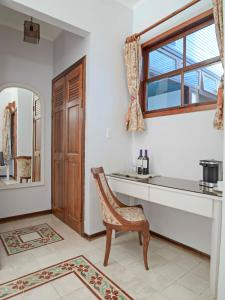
(174, 183)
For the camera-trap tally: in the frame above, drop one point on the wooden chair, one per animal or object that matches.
(23, 168)
(120, 217)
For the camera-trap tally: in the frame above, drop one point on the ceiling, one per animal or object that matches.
(129, 3)
(15, 20)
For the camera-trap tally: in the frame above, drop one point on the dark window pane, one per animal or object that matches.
(201, 85)
(165, 59)
(201, 45)
(164, 93)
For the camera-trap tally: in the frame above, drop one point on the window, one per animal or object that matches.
(182, 69)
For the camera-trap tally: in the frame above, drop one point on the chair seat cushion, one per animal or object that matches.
(133, 214)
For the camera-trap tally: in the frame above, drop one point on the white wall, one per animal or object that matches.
(176, 143)
(107, 97)
(106, 93)
(24, 123)
(64, 57)
(29, 66)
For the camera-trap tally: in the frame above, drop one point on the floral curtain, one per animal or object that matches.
(6, 134)
(218, 17)
(134, 118)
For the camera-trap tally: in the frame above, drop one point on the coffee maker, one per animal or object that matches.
(212, 172)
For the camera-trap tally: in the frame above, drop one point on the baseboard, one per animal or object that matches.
(25, 216)
(155, 234)
(95, 235)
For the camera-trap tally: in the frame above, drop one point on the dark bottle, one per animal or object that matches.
(140, 163)
(146, 163)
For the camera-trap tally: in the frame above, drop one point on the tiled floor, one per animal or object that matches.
(175, 274)
(4, 181)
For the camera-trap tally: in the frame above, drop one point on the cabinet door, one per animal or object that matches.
(58, 139)
(74, 148)
(36, 168)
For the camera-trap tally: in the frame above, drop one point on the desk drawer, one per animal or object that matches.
(129, 188)
(180, 200)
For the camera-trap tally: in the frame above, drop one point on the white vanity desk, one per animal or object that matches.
(180, 194)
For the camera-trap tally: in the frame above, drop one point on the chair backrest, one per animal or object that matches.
(23, 166)
(108, 201)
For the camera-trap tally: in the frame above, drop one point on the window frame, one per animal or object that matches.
(192, 25)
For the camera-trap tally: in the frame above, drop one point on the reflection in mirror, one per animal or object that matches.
(20, 136)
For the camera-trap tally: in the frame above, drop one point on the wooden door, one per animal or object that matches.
(14, 141)
(36, 165)
(68, 146)
(58, 133)
(74, 145)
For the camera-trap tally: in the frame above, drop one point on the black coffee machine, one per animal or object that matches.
(212, 172)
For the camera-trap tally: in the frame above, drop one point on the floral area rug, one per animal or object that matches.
(28, 238)
(98, 283)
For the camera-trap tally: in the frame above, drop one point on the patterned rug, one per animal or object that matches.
(28, 238)
(97, 282)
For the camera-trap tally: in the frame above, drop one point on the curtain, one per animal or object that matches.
(134, 118)
(218, 17)
(6, 134)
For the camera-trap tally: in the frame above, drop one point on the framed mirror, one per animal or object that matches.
(20, 137)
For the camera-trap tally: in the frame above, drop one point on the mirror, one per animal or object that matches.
(20, 136)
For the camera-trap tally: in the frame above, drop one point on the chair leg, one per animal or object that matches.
(108, 245)
(140, 237)
(146, 238)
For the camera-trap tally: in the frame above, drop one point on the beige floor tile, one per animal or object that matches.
(205, 296)
(178, 292)
(6, 227)
(48, 260)
(138, 289)
(171, 271)
(156, 261)
(46, 291)
(194, 283)
(7, 275)
(159, 296)
(168, 253)
(67, 284)
(80, 294)
(168, 263)
(187, 261)
(157, 281)
(202, 270)
(95, 256)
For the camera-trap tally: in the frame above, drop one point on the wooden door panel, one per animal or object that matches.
(37, 166)
(73, 130)
(73, 194)
(58, 131)
(74, 85)
(38, 135)
(58, 189)
(59, 94)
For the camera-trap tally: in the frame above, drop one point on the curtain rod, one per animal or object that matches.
(176, 12)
